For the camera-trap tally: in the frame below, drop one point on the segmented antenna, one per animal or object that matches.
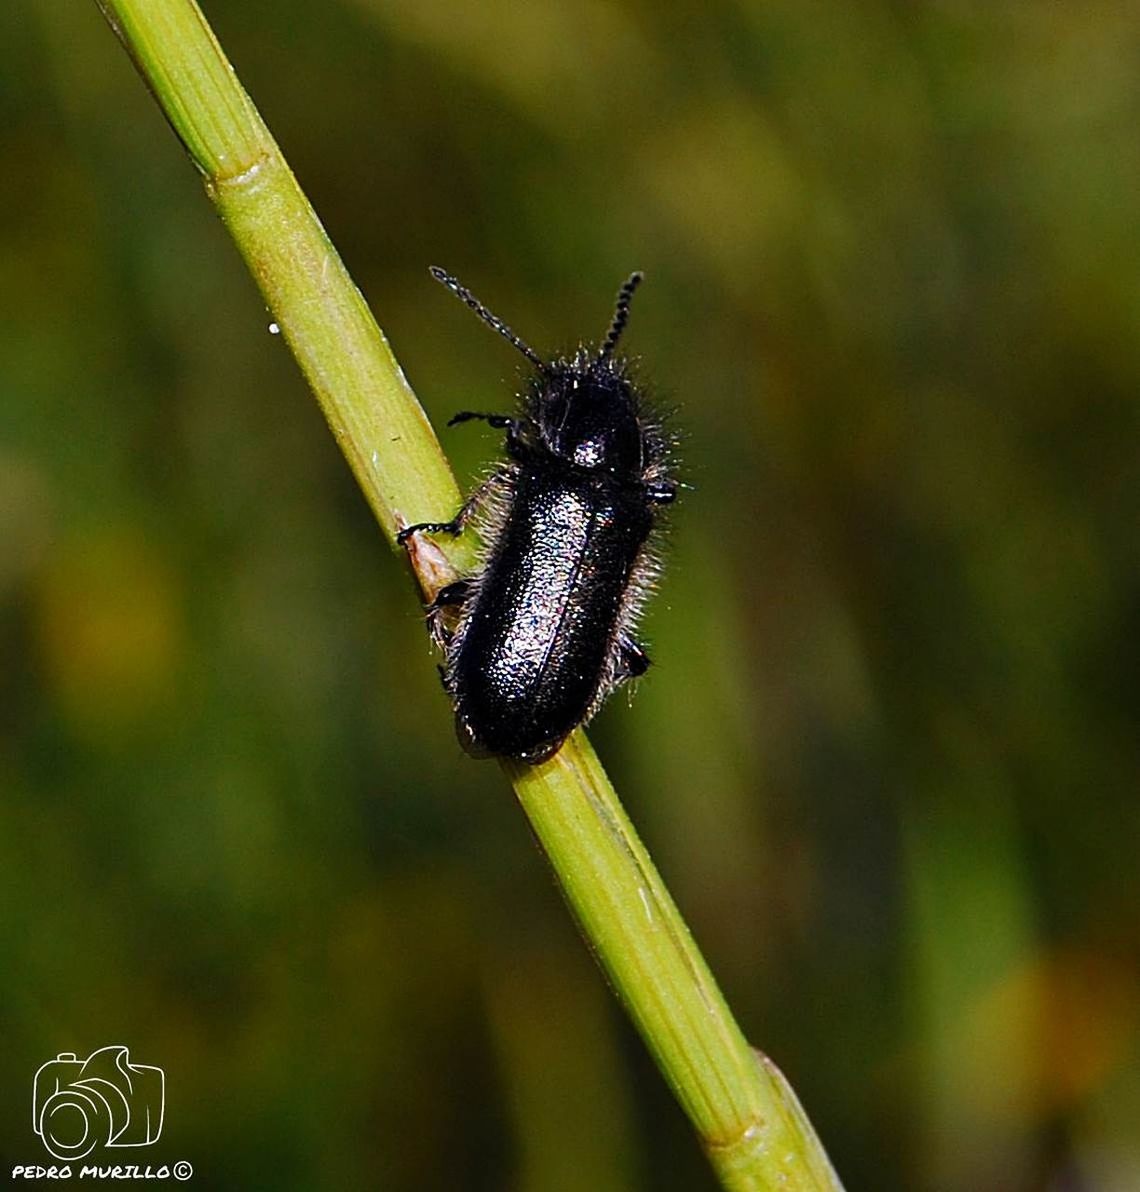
(491, 320)
(621, 314)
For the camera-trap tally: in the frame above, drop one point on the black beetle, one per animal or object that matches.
(542, 631)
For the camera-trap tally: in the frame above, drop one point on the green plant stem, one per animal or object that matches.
(745, 1114)
(343, 354)
(748, 1119)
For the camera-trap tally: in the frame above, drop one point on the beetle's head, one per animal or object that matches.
(584, 406)
(585, 412)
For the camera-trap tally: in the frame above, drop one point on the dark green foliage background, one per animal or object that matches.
(888, 759)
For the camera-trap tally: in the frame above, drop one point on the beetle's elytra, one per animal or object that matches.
(542, 631)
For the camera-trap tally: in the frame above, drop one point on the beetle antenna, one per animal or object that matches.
(492, 321)
(621, 314)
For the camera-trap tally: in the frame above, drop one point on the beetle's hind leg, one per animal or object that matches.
(632, 660)
(453, 596)
(661, 492)
(627, 660)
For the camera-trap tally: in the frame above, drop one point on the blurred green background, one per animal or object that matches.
(888, 759)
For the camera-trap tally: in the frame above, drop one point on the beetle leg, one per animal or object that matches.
(518, 444)
(661, 492)
(452, 596)
(498, 421)
(632, 660)
(455, 526)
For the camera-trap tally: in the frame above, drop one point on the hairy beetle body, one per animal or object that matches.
(543, 630)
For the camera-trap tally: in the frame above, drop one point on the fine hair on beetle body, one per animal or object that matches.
(543, 628)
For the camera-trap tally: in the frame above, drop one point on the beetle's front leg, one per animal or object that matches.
(498, 421)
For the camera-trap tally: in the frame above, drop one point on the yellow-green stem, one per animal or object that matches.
(749, 1121)
(746, 1116)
